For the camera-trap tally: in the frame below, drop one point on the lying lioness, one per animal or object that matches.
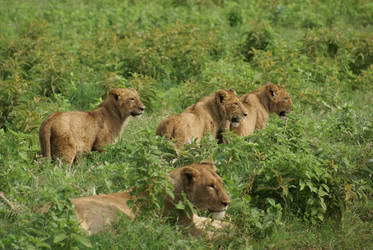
(64, 134)
(199, 181)
(212, 114)
(270, 98)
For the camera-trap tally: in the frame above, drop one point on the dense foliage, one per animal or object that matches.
(305, 182)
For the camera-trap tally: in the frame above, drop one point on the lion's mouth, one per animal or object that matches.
(218, 214)
(235, 122)
(137, 113)
(283, 113)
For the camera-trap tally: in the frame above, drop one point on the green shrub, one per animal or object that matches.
(304, 182)
(259, 37)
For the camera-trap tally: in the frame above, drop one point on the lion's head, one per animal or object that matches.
(279, 99)
(203, 187)
(127, 102)
(230, 106)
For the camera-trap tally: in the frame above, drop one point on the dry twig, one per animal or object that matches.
(12, 207)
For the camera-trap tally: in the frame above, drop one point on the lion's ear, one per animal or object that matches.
(246, 99)
(221, 95)
(114, 93)
(189, 175)
(209, 164)
(272, 90)
(233, 91)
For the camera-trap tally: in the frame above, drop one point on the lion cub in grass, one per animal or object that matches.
(270, 98)
(65, 134)
(199, 181)
(212, 114)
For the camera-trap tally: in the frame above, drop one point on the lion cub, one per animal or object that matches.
(212, 114)
(65, 134)
(270, 98)
(199, 181)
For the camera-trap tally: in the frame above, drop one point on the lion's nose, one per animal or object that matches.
(244, 114)
(142, 108)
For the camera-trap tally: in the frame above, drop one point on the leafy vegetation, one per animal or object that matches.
(305, 182)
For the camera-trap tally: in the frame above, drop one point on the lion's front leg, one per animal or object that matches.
(223, 128)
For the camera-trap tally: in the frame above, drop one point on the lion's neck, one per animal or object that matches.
(113, 119)
(262, 110)
(170, 209)
(217, 115)
(262, 98)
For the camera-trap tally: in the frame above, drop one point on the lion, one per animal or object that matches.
(270, 98)
(212, 114)
(65, 134)
(200, 183)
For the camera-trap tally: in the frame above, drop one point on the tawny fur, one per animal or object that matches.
(65, 134)
(199, 181)
(270, 98)
(212, 114)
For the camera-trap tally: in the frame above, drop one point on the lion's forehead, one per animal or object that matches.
(234, 98)
(210, 177)
(128, 92)
(284, 94)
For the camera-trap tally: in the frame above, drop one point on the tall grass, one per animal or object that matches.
(304, 182)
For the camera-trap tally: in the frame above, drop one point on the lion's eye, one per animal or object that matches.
(211, 186)
(236, 103)
(132, 99)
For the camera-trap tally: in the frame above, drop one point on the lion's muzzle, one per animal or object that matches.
(138, 113)
(235, 122)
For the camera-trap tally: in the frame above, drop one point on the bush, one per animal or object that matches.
(259, 37)
(304, 182)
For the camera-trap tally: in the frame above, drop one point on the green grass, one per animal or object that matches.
(301, 183)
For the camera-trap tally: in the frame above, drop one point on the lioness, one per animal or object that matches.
(199, 181)
(212, 114)
(64, 134)
(270, 98)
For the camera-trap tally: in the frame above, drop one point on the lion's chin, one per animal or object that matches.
(235, 124)
(218, 215)
(136, 114)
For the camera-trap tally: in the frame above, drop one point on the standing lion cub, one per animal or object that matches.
(270, 98)
(212, 114)
(65, 134)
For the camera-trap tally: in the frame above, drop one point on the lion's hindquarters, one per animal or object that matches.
(63, 145)
(174, 127)
(44, 138)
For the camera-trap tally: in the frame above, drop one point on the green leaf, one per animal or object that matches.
(321, 217)
(311, 187)
(59, 237)
(301, 184)
(180, 205)
(322, 203)
(44, 245)
(83, 240)
(322, 192)
(170, 193)
(285, 189)
(23, 155)
(271, 202)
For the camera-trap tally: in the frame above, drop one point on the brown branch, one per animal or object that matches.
(12, 207)
(249, 186)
